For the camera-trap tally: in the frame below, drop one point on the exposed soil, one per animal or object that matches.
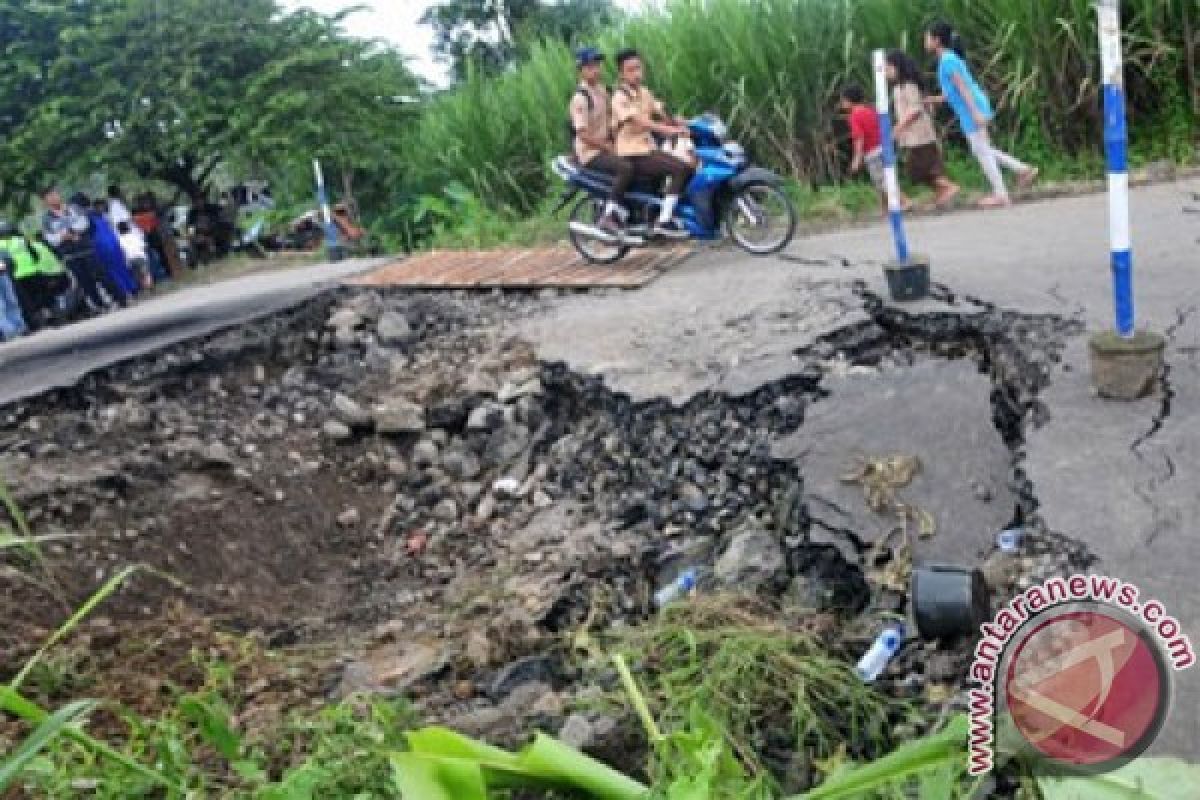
(407, 499)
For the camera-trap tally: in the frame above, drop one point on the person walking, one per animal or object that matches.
(914, 129)
(866, 142)
(974, 112)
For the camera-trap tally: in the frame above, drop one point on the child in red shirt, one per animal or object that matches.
(868, 142)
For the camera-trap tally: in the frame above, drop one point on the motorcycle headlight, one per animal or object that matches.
(735, 152)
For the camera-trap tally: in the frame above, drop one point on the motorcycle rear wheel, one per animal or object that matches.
(589, 211)
(761, 219)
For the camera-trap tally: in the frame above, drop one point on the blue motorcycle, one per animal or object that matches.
(727, 196)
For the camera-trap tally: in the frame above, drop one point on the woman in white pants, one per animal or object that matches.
(964, 95)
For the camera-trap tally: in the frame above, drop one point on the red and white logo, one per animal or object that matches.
(1087, 689)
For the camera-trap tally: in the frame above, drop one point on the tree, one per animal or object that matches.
(344, 101)
(150, 88)
(29, 106)
(492, 34)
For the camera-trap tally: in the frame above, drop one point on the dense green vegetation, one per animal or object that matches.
(189, 91)
(176, 94)
(772, 68)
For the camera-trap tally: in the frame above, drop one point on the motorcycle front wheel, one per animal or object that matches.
(761, 219)
(589, 211)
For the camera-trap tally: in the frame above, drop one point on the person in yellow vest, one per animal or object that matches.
(639, 116)
(38, 278)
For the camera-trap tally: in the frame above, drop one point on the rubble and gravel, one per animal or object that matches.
(397, 475)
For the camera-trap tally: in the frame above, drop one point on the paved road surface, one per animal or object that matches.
(1123, 477)
(59, 357)
(725, 321)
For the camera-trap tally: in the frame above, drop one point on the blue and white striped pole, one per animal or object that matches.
(331, 237)
(1116, 141)
(883, 108)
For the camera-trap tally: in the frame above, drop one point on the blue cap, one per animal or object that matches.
(588, 55)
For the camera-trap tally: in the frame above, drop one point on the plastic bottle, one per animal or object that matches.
(882, 650)
(676, 589)
(1009, 541)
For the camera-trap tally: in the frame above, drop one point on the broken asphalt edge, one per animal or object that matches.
(38, 366)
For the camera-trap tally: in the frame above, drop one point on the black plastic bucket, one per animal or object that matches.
(949, 602)
(908, 281)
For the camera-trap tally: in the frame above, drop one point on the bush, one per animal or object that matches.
(773, 68)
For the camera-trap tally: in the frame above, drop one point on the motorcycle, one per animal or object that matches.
(727, 196)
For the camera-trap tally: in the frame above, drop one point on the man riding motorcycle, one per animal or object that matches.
(590, 114)
(638, 116)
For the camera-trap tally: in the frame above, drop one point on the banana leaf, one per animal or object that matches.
(443, 765)
(1142, 779)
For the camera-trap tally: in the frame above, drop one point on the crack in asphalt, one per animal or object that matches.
(943, 293)
(832, 260)
(1056, 294)
(849, 535)
(1167, 388)
(859, 544)
(1160, 474)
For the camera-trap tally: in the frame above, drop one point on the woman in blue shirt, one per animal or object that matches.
(963, 94)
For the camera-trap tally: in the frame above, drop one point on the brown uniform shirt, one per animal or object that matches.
(907, 98)
(593, 121)
(632, 138)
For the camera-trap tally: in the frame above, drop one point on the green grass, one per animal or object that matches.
(723, 689)
(193, 747)
(772, 68)
(464, 221)
(738, 704)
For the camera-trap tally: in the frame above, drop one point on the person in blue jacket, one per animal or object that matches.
(971, 106)
(108, 246)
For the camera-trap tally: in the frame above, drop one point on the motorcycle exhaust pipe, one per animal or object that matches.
(592, 232)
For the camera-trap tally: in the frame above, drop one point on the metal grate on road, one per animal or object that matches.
(547, 267)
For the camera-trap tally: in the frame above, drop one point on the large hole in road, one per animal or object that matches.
(387, 472)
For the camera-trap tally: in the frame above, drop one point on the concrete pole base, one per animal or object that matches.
(908, 281)
(1126, 369)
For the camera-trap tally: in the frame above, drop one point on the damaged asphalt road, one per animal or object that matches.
(454, 475)
(60, 357)
(1120, 479)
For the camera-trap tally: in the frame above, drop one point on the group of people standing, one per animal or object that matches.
(915, 133)
(101, 250)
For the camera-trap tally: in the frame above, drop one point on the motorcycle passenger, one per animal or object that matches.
(638, 116)
(590, 113)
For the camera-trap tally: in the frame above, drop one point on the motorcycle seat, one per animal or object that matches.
(570, 169)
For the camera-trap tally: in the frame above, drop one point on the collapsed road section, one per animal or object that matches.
(399, 482)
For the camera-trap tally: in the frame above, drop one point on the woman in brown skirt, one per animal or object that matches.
(914, 129)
